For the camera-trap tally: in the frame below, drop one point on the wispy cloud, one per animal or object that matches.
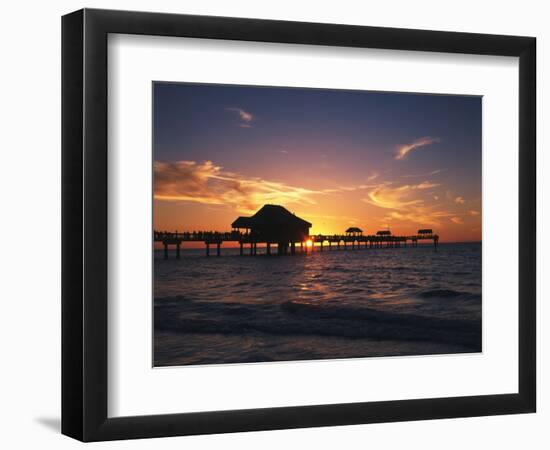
(386, 195)
(208, 183)
(427, 185)
(389, 197)
(428, 174)
(460, 200)
(373, 176)
(408, 203)
(473, 212)
(246, 118)
(344, 189)
(404, 150)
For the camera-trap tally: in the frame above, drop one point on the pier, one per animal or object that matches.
(274, 226)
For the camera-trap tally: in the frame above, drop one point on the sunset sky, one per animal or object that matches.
(335, 158)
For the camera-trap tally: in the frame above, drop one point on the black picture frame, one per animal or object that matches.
(84, 224)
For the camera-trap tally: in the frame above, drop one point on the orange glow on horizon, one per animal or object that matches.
(203, 196)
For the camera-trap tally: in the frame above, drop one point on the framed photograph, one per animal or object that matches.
(273, 224)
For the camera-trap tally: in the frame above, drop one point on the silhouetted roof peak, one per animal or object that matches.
(270, 215)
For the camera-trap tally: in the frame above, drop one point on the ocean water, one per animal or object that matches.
(325, 305)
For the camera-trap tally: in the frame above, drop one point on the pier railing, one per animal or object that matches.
(198, 236)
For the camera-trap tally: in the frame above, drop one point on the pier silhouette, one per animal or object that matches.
(274, 225)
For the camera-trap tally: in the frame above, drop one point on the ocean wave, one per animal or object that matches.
(293, 318)
(441, 293)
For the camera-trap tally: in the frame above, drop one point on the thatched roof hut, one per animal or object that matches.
(274, 223)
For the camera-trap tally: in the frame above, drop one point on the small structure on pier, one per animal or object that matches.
(354, 231)
(425, 231)
(383, 233)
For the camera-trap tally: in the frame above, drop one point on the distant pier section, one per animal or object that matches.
(275, 227)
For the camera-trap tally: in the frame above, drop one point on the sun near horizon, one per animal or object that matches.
(337, 159)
